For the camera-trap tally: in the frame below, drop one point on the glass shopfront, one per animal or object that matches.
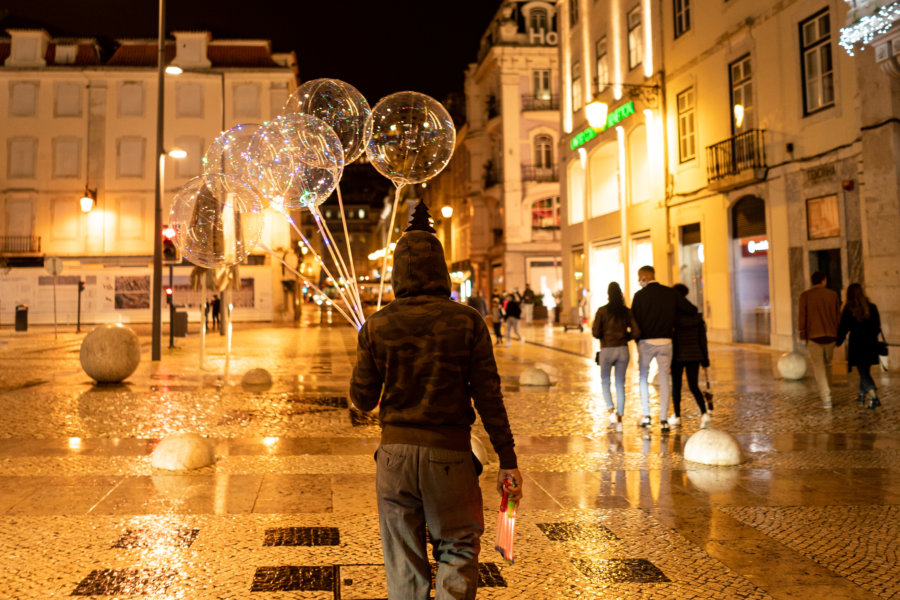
(750, 256)
(690, 268)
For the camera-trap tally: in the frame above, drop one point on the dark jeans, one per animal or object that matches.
(498, 330)
(418, 485)
(692, 368)
(866, 383)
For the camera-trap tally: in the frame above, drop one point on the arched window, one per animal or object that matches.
(537, 19)
(545, 214)
(543, 151)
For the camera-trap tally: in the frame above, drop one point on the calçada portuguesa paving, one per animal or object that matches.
(288, 510)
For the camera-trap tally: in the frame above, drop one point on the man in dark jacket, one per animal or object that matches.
(818, 320)
(654, 308)
(421, 360)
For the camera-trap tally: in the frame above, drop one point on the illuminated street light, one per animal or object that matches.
(447, 212)
(596, 113)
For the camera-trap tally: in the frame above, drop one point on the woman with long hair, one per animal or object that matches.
(689, 353)
(614, 326)
(861, 321)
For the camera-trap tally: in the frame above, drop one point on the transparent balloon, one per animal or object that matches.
(341, 106)
(217, 219)
(412, 137)
(295, 160)
(227, 154)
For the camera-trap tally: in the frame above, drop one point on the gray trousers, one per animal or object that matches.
(820, 358)
(419, 485)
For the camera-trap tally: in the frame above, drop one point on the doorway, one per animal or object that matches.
(750, 252)
(829, 262)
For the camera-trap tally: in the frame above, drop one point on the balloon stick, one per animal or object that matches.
(387, 247)
(335, 252)
(349, 249)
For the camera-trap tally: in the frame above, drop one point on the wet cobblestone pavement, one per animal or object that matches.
(288, 510)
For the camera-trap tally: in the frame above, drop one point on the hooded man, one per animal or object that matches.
(422, 360)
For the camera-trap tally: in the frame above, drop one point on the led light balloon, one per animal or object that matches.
(341, 106)
(218, 220)
(412, 137)
(227, 154)
(295, 160)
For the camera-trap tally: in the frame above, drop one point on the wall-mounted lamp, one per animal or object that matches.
(177, 152)
(174, 70)
(447, 212)
(89, 199)
(596, 113)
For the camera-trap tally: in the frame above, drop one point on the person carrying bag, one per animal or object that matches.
(861, 322)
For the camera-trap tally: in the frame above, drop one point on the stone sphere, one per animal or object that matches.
(256, 380)
(534, 376)
(110, 353)
(713, 447)
(792, 365)
(480, 451)
(714, 481)
(182, 451)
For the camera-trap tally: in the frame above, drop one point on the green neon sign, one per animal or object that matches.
(612, 119)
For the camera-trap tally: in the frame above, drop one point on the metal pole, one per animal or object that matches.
(156, 288)
(80, 289)
(171, 310)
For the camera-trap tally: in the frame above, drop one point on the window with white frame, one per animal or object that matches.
(741, 77)
(21, 156)
(131, 99)
(541, 79)
(543, 151)
(545, 214)
(687, 135)
(130, 156)
(23, 97)
(188, 100)
(538, 20)
(67, 99)
(682, 15)
(818, 70)
(602, 64)
(635, 38)
(66, 157)
(577, 92)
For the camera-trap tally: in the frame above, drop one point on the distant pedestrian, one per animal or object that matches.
(820, 314)
(206, 313)
(860, 319)
(614, 326)
(478, 303)
(216, 309)
(513, 314)
(497, 319)
(654, 308)
(690, 352)
(528, 299)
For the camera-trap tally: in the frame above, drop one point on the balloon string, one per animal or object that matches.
(352, 320)
(338, 259)
(387, 247)
(349, 249)
(315, 256)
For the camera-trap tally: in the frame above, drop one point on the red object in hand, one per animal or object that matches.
(506, 524)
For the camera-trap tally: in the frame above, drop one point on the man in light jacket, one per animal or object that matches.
(820, 314)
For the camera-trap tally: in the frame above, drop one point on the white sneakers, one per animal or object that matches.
(615, 421)
(705, 421)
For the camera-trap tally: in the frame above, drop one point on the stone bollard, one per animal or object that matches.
(256, 380)
(713, 447)
(533, 376)
(792, 365)
(110, 353)
(181, 452)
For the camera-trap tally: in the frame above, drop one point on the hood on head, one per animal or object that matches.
(419, 266)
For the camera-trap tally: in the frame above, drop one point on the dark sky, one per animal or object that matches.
(379, 46)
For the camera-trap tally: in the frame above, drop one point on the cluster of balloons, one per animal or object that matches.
(295, 161)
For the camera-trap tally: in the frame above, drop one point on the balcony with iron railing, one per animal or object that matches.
(20, 244)
(737, 161)
(540, 174)
(548, 102)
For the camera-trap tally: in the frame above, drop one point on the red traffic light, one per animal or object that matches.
(168, 291)
(168, 232)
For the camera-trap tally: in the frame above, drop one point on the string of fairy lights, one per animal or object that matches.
(865, 28)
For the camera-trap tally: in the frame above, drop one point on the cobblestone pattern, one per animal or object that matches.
(861, 543)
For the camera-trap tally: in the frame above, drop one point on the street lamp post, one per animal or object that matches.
(596, 116)
(156, 288)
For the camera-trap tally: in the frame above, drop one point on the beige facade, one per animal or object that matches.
(73, 120)
(756, 126)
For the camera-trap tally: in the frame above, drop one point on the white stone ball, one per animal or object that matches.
(182, 451)
(480, 451)
(256, 379)
(534, 376)
(110, 353)
(714, 481)
(792, 365)
(713, 447)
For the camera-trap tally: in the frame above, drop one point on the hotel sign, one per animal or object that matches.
(612, 119)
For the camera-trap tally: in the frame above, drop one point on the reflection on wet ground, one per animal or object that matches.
(288, 510)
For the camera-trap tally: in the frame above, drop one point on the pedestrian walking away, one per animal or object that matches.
(513, 314)
(422, 360)
(497, 315)
(478, 302)
(819, 317)
(614, 326)
(861, 321)
(689, 353)
(655, 307)
(216, 309)
(528, 299)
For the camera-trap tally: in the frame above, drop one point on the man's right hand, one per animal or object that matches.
(515, 488)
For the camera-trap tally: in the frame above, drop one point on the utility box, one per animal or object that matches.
(180, 324)
(22, 317)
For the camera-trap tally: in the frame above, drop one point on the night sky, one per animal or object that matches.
(379, 46)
